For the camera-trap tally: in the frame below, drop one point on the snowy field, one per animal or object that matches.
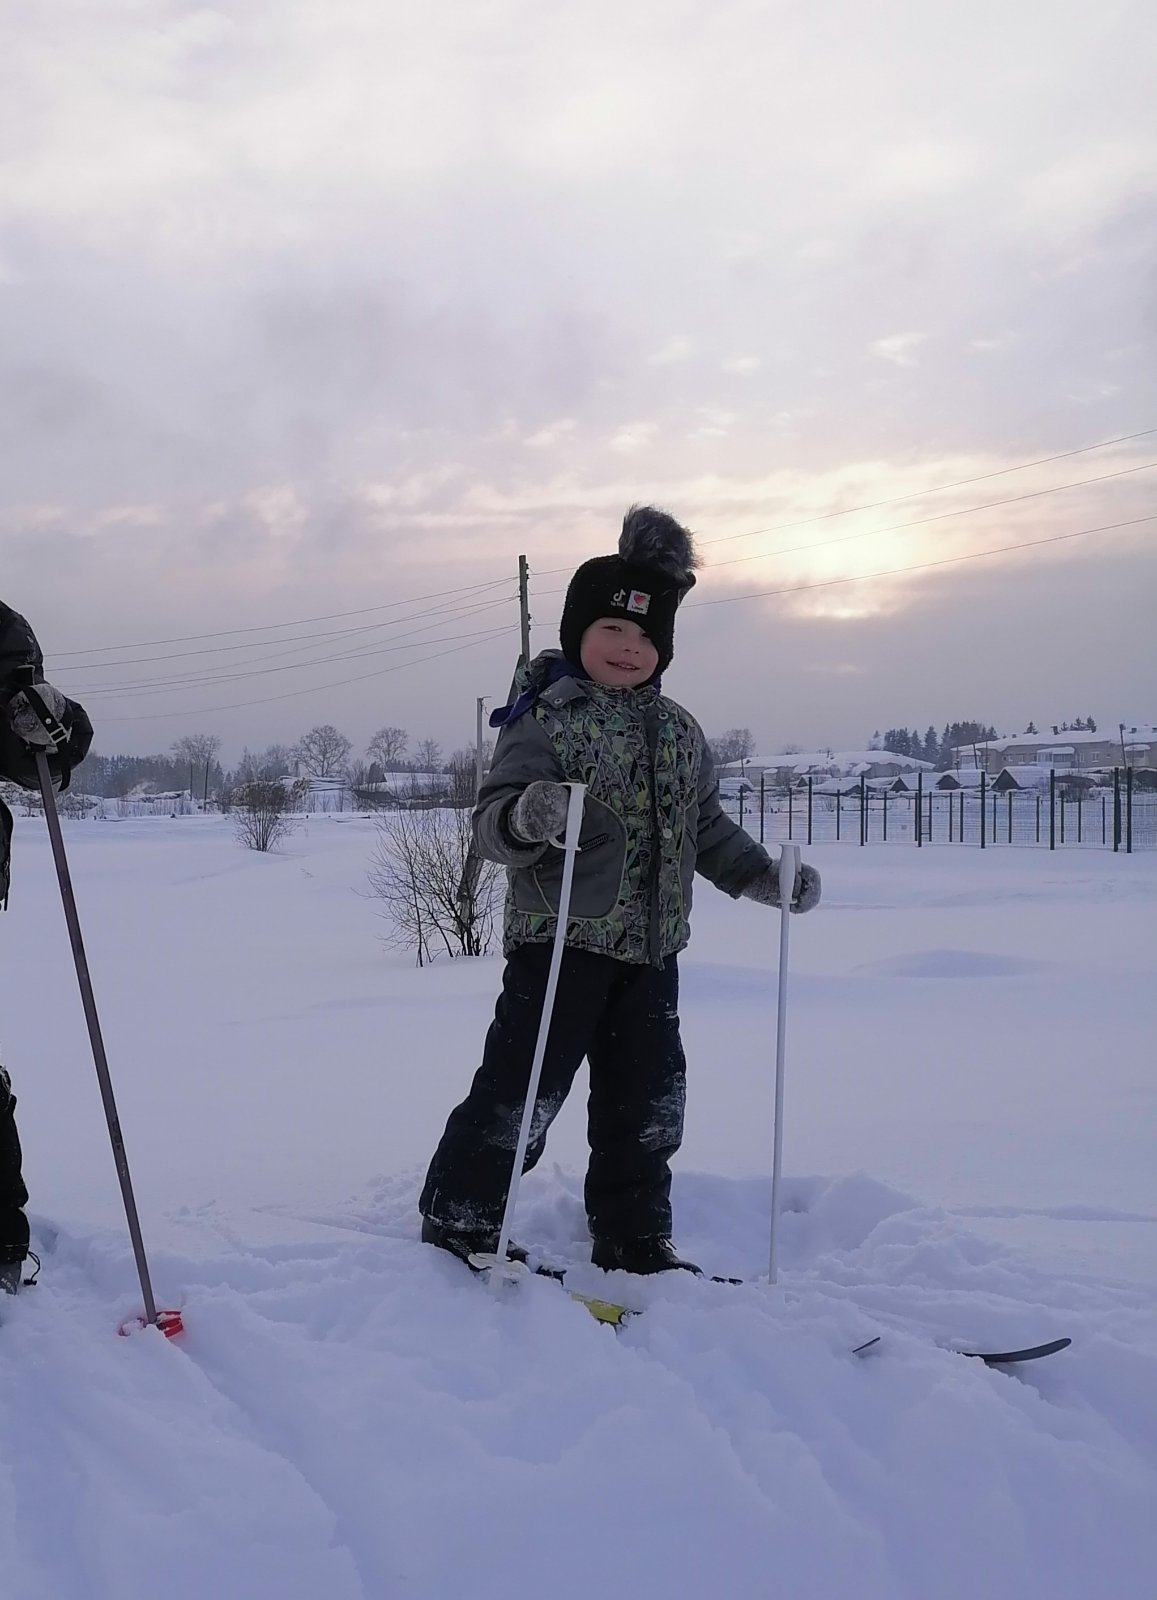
(971, 1110)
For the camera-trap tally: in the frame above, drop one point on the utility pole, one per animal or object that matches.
(479, 756)
(524, 605)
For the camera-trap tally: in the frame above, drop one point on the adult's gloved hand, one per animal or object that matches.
(765, 888)
(38, 719)
(539, 813)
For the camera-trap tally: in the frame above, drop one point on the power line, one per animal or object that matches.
(176, 685)
(260, 644)
(297, 622)
(235, 670)
(916, 522)
(940, 488)
(297, 694)
(924, 566)
(899, 499)
(939, 516)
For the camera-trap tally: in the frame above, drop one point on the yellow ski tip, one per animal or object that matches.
(602, 1310)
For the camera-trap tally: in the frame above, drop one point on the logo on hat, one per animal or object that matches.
(639, 602)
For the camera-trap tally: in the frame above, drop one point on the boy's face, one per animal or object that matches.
(617, 653)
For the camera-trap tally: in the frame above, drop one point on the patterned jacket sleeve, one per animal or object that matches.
(727, 854)
(522, 755)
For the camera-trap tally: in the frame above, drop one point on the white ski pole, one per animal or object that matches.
(788, 871)
(574, 818)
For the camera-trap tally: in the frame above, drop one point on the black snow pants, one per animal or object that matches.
(13, 1194)
(624, 1017)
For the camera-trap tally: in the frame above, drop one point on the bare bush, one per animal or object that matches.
(263, 812)
(432, 903)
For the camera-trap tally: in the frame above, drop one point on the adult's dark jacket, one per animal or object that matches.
(21, 664)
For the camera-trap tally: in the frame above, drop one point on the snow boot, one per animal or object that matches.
(465, 1242)
(11, 1275)
(640, 1256)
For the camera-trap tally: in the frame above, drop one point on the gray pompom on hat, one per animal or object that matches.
(645, 583)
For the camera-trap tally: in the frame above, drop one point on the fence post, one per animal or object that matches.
(1104, 828)
(863, 810)
(1010, 816)
(1038, 816)
(983, 792)
(962, 816)
(951, 814)
(741, 806)
(839, 799)
(790, 808)
(1128, 811)
(919, 810)
(1116, 809)
(1052, 808)
(809, 809)
(1062, 816)
(994, 816)
(762, 777)
(1079, 839)
(885, 816)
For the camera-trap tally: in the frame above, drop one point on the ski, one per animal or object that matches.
(608, 1311)
(991, 1358)
(616, 1315)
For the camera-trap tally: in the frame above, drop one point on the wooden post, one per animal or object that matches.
(524, 605)
(1052, 808)
(919, 810)
(762, 776)
(809, 809)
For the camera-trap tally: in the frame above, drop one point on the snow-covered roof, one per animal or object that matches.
(843, 761)
(1144, 731)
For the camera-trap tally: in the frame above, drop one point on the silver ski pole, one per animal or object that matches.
(98, 1051)
(574, 818)
(788, 871)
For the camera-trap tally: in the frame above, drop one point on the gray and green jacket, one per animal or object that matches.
(652, 818)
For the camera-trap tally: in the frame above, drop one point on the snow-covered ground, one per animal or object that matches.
(969, 1150)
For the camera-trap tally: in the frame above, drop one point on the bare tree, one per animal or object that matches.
(263, 811)
(199, 750)
(428, 756)
(737, 744)
(419, 874)
(388, 746)
(275, 761)
(323, 751)
(462, 771)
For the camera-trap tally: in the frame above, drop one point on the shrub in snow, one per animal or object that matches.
(263, 812)
(436, 894)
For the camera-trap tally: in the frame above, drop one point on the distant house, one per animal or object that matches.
(1074, 750)
(789, 766)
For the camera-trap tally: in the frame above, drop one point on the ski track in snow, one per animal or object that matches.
(350, 1416)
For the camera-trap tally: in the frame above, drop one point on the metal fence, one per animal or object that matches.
(1118, 817)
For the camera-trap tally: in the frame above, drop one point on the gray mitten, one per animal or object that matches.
(539, 813)
(765, 888)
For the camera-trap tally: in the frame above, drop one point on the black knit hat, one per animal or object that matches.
(645, 583)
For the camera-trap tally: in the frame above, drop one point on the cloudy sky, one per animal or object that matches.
(314, 314)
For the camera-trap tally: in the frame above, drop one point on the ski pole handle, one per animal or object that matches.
(789, 860)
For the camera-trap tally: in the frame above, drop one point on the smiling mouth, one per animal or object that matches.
(623, 666)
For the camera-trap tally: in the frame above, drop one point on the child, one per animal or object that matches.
(21, 665)
(594, 714)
